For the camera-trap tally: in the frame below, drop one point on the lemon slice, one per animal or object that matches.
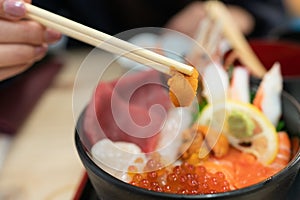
(263, 140)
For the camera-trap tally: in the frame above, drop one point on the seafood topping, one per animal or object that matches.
(243, 123)
(230, 144)
(183, 88)
(182, 179)
(130, 109)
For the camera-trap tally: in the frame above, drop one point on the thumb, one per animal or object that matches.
(12, 9)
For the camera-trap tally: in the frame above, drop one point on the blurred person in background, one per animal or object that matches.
(23, 42)
(290, 30)
(255, 17)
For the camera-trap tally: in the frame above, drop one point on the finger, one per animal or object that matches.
(13, 9)
(16, 54)
(193, 13)
(26, 32)
(7, 72)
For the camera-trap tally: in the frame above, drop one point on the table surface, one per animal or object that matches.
(42, 163)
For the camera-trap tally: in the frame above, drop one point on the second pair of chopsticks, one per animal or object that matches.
(105, 41)
(218, 11)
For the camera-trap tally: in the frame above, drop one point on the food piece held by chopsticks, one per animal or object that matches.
(183, 88)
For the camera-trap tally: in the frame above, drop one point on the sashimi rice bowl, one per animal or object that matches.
(233, 140)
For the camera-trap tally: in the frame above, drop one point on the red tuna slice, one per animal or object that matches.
(137, 88)
(91, 128)
(132, 108)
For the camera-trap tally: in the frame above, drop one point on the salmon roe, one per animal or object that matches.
(182, 179)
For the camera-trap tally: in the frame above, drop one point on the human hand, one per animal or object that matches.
(187, 21)
(293, 7)
(22, 41)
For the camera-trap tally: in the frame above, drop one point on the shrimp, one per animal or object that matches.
(239, 85)
(268, 96)
(215, 83)
(284, 151)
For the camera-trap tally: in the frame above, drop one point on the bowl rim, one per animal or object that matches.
(126, 186)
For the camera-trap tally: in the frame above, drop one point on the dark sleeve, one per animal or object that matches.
(55, 6)
(92, 13)
(268, 14)
(115, 16)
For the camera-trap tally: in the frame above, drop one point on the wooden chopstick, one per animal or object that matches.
(97, 43)
(105, 41)
(218, 11)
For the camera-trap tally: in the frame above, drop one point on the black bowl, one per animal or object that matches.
(276, 187)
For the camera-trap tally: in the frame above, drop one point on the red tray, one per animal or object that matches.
(85, 190)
